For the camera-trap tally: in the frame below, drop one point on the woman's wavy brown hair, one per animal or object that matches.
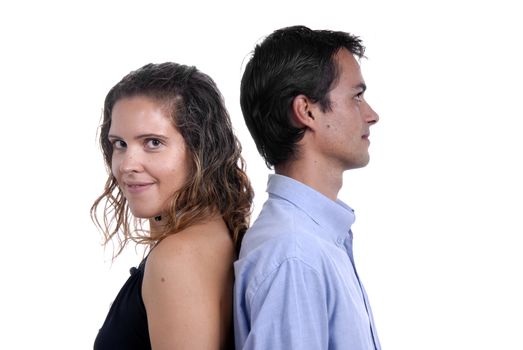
(217, 182)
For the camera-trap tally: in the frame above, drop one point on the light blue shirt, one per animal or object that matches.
(296, 285)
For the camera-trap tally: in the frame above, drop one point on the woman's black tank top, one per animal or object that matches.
(126, 324)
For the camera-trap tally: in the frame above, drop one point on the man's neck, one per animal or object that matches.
(325, 180)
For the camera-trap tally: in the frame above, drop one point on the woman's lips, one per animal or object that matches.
(138, 187)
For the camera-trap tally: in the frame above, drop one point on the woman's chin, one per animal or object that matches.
(139, 214)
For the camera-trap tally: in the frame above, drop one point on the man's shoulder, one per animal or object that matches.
(282, 233)
(281, 226)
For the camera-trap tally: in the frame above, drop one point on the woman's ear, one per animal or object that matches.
(302, 114)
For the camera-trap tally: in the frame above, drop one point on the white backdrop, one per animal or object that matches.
(438, 231)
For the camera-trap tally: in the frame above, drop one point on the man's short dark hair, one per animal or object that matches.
(289, 62)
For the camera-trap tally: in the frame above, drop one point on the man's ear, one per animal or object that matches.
(302, 114)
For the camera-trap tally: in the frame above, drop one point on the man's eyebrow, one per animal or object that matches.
(361, 86)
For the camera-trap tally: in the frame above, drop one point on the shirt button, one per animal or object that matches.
(340, 240)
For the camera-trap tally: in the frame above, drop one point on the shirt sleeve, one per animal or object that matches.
(288, 310)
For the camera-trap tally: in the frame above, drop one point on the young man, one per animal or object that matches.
(296, 283)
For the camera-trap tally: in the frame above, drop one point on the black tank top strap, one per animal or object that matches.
(126, 324)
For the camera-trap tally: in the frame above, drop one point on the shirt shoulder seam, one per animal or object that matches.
(276, 268)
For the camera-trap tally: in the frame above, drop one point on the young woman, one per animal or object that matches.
(174, 164)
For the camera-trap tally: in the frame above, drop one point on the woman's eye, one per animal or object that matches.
(359, 97)
(119, 144)
(153, 143)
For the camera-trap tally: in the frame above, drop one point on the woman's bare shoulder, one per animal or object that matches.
(206, 246)
(188, 275)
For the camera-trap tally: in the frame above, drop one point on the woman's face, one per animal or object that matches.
(149, 161)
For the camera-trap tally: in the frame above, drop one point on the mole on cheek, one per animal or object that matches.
(162, 279)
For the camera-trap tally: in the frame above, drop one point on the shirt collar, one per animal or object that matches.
(335, 217)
